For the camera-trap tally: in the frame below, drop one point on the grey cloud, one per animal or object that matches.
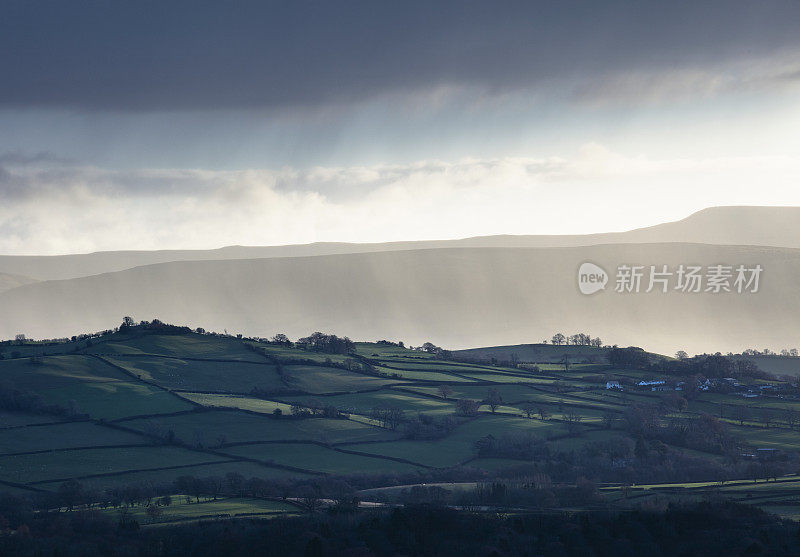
(336, 184)
(152, 55)
(20, 158)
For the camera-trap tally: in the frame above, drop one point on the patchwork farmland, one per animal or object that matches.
(152, 408)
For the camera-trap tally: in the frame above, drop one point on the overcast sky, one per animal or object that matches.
(151, 125)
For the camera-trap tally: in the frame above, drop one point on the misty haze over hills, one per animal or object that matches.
(756, 226)
(457, 296)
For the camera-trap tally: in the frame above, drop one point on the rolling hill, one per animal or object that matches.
(9, 281)
(456, 298)
(121, 417)
(756, 226)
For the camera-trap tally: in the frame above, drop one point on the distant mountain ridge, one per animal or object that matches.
(756, 226)
(456, 298)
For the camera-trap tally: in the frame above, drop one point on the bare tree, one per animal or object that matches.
(572, 420)
(742, 413)
(529, 409)
(493, 399)
(767, 417)
(445, 391)
(543, 413)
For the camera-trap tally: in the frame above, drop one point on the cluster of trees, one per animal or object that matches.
(426, 427)
(712, 366)
(767, 417)
(156, 326)
(537, 492)
(467, 407)
(578, 339)
(388, 415)
(522, 446)
(704, 432)
(422, 526)
(317, 408)
(787, 352)
(18, 400)
(330, 344)
(437, 351)
(399, 344)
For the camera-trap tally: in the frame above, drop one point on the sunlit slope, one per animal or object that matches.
(456, 298)
(760, 226)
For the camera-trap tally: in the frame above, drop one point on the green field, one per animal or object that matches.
(93, 386)
(65, 436)
(425, 376)
(142, 410)
(322, 459)
(181, 346)
(363, 403)
(166, 476)
(174, 373)
(238, 401)
(179, 510)
(63, 465)
(320, 379)
(459, 445)
(215, 428)
(536, 353)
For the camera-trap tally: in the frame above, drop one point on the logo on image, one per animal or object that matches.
(591, 278)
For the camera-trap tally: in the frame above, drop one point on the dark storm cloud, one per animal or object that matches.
(133, 55)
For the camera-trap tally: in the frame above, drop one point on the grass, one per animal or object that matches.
(534, 353)
(495, 463)
(322, 459)
(210, 428)
(186, 346)
(96, 388)
(511, 393)
(238, 401)
(435, 365)
(14, 419)
(460, 444)
(374, 350)
(193, 375)
(292, 353)
(167, 477)
(503, 378)
(772, 438)
(237, 425)
(66, 435)
(422, 375)
(363, 403)
(61, 465)
(317, 379)
(180, 510)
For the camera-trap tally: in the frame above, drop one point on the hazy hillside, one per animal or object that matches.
(9, 281)
(538, 353)
(457, 298)
(760, 226)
